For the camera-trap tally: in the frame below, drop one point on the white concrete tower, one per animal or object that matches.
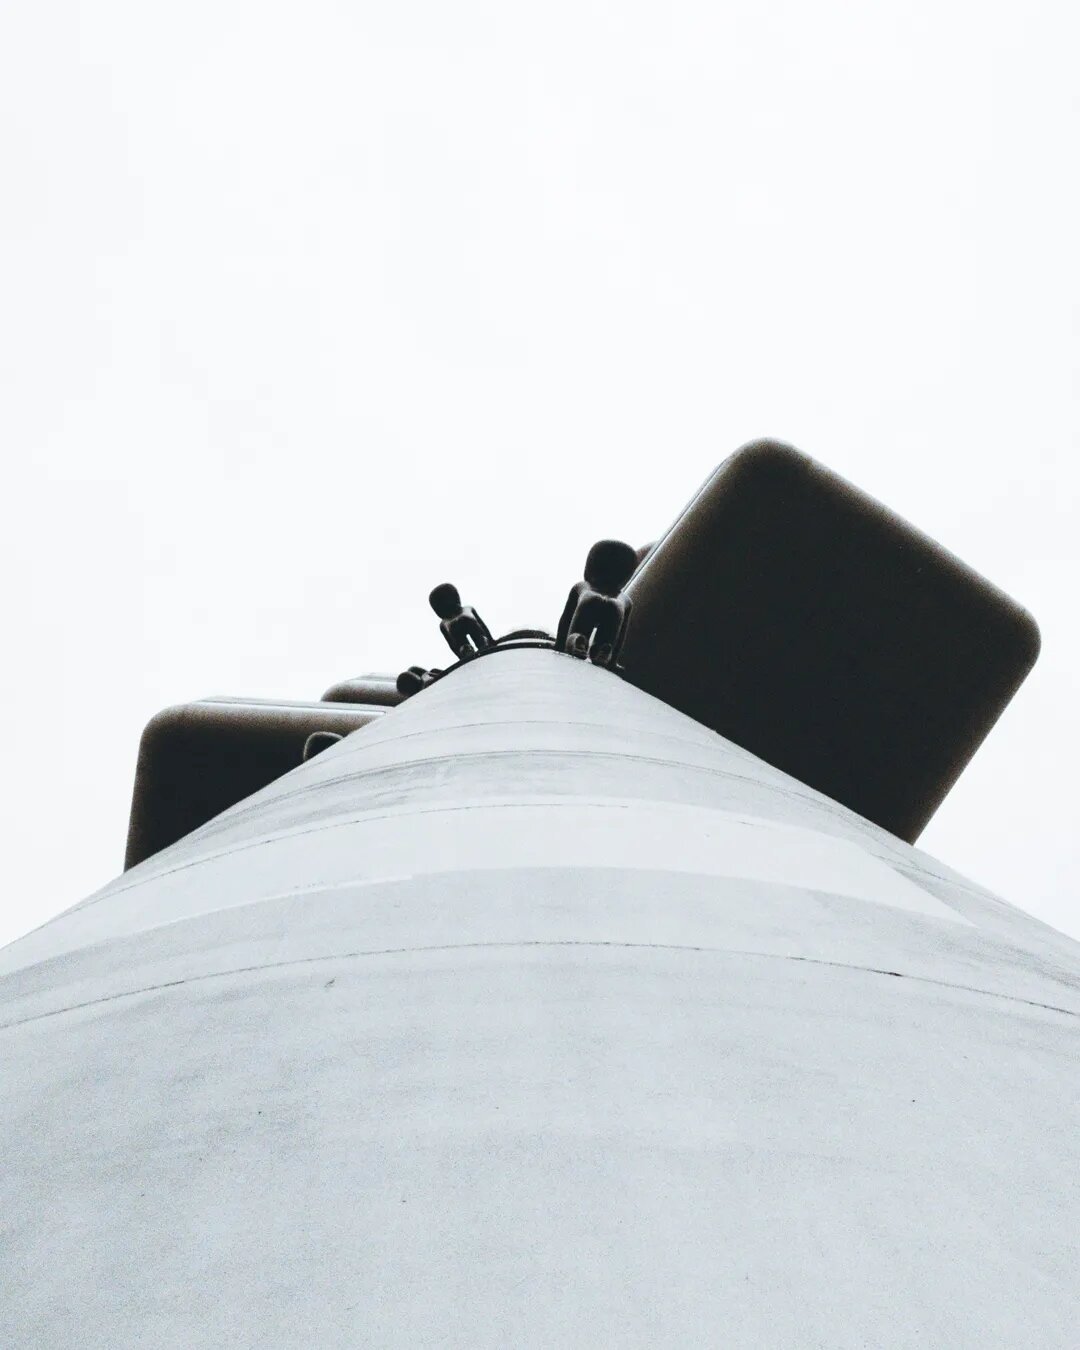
(537, 1014)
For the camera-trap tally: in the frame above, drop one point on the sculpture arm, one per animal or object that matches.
(563, 629)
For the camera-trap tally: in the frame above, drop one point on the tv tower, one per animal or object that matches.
(564, 1005)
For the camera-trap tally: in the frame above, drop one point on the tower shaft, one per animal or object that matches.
(537, 1014)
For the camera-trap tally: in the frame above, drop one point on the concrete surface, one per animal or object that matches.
(535, 1014)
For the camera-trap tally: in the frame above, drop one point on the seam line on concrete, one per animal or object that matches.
(788, 791)
(567, 942)
(351, 751)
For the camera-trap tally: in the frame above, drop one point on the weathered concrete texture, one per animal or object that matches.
(536, 1014)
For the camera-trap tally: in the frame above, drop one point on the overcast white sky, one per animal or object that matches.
(306, 308)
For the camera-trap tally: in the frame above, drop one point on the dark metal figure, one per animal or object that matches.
(464, 630)
(526, 635)
(415, 678)
(644, 551)
(319, 741)
(594, 618)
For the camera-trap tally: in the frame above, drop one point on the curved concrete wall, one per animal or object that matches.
(537, 1014)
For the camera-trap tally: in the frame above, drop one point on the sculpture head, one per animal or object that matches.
(610, 565)
(410, 681)
(317, 742)
(444, 600)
